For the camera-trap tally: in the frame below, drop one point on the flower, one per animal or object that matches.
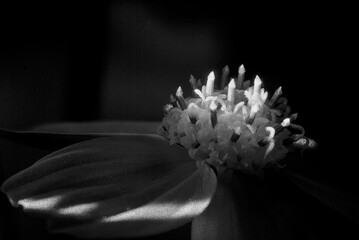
(104, 183)
(231, 128)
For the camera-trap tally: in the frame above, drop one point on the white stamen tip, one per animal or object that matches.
(232, 84)
(210, 76)
(231, 91)
(241, 69)
(210, 84)
(257, 80)
(271, 132)
(238, 106)
(213, 106)
(257, 85)
(286, 122)
(179, 92)
(192, 105)
(200, 94)
(254, 108)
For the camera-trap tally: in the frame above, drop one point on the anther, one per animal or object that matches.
(240, 78)
(225, 74)
(167, 108)
(181, 101)
(173, 101)
(192, 83)
(213, 110)
(275, 97)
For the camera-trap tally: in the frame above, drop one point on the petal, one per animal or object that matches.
(220, 219)
(131, 185)
(100, 127)
(334, 185)
(54, 137)
(343, 201)
(49, 140)
(247, 208)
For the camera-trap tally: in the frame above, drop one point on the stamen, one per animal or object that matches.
(225, 74)
(231, 91)
(240, 78)
(213, 110)
(271, 132)
(192, 105)
(269, 148)
(210, 84)
(270, 140)
(192, 83)
(173, 101)
(252, 113)
(293, 117)
(200, 94)
(236, 108)
(257, 85)
(167, 108)
(285, 122)
(275, 97)
(305, 143)
(264, 141)
(179, 95)
(299, 128)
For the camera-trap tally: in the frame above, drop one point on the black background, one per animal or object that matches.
(119, 60)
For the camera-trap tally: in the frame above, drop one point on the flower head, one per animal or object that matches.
(236, 127)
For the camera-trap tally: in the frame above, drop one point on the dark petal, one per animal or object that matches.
(48, 140)
(343, 201)
(100, 127)
(56, 136)
(247, 208)
(131, 185)
(332, 182)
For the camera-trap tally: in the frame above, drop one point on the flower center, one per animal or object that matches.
(236, 127)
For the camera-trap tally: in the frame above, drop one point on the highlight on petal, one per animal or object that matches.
(172, 209)
(131, 185)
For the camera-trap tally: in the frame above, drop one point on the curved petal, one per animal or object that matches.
(220, 219)
(49, 140)
(131, 185)
(344, 202)
(59, 135)
(246, 208)
(100, 127)
(333, 184)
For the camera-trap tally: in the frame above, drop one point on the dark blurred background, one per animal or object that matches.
(119, 60)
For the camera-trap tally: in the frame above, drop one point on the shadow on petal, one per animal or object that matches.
(100, 127)
(131, 185)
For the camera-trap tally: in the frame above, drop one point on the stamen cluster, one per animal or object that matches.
(236, 127)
